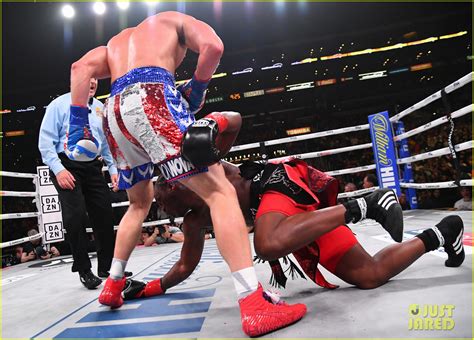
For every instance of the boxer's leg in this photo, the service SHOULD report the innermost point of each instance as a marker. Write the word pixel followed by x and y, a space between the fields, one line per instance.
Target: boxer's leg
pixel 229 224
pixel 359 268
pixel 448 233
pixel 140 197
pixel 285 227
pixel 258 315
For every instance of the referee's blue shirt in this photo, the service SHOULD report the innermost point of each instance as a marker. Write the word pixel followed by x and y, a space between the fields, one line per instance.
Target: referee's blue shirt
pixel 53 130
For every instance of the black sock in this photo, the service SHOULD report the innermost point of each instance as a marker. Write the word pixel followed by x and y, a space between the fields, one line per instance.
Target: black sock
pixel 430 240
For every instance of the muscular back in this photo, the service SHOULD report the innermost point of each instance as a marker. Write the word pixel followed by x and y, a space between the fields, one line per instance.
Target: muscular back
pixel 157 41
pixel 161 40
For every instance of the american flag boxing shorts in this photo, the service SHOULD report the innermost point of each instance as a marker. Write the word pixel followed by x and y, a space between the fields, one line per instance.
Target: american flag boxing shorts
pixel 145 118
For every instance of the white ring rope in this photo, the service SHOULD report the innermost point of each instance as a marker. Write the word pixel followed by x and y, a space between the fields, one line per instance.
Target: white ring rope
pixel 302 137
pixel 161 222
pixel 436 153
pixel 16 174
pixel 435 96
pixel 411 159
pixel 123 204
pixel 456 114
pixel 434 185
pixel 21 240
pixel 13 216
pixel 18 193
pixel 438 185
pixel 356 192
pixel 150 223
pixel 350 170
pixel 120 204
pixel 326 152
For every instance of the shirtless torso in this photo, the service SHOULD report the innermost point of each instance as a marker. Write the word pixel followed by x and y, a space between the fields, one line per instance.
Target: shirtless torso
pixel 167 36
pixel 162 34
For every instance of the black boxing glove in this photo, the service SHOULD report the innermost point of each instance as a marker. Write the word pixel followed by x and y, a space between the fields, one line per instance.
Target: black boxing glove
pixel 133 289
pixel 138 289
pixel 199 144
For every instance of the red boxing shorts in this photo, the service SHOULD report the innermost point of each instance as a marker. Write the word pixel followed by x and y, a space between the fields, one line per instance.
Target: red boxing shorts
pixel 332 245
pixel 145 118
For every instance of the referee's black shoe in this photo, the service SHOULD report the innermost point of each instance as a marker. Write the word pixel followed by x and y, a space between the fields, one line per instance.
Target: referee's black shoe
pixel 89 280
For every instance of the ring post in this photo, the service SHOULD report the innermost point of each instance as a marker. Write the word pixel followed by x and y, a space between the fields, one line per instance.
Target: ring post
pixel 384 151
pixel 404 152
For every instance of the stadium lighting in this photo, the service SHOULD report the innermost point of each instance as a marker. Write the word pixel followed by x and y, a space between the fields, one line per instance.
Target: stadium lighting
pixel 123 5
pixel 68 11
pixel 280 6
pixel 99 8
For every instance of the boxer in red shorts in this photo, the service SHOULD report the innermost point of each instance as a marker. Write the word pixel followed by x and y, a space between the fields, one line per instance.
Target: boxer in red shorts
pixel 293 207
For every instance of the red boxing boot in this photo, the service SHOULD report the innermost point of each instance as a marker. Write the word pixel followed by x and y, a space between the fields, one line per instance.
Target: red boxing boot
pixel 111 295
pixel 263 312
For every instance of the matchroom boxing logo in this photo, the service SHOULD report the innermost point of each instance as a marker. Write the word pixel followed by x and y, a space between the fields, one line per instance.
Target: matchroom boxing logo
pixel 431 317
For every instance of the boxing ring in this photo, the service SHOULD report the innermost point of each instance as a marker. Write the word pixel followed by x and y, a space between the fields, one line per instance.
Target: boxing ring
pixel 42 299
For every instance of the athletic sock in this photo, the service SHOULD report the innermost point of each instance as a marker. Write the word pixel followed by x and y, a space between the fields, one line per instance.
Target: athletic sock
pixel 432 239
pixel 117 268
pixel 245 281
pixel 356 210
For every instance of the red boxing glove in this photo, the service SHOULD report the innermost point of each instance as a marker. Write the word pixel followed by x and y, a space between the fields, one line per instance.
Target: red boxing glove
pixel 138 289
pixel 220 119
pixel 153 288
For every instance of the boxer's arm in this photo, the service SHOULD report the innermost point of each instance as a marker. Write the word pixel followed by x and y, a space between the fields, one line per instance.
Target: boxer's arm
pixel 92 65
pixel 202 39
pixel 208 140
pixel 193 224
pixel 226 138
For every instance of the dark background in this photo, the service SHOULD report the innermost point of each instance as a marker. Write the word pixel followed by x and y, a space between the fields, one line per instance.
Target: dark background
pixel 37 57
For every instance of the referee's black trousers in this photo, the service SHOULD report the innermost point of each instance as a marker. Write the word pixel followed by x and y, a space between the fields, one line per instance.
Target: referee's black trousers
pixel 88 201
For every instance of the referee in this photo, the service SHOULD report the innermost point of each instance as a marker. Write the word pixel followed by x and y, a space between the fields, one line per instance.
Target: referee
pixel 82 189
